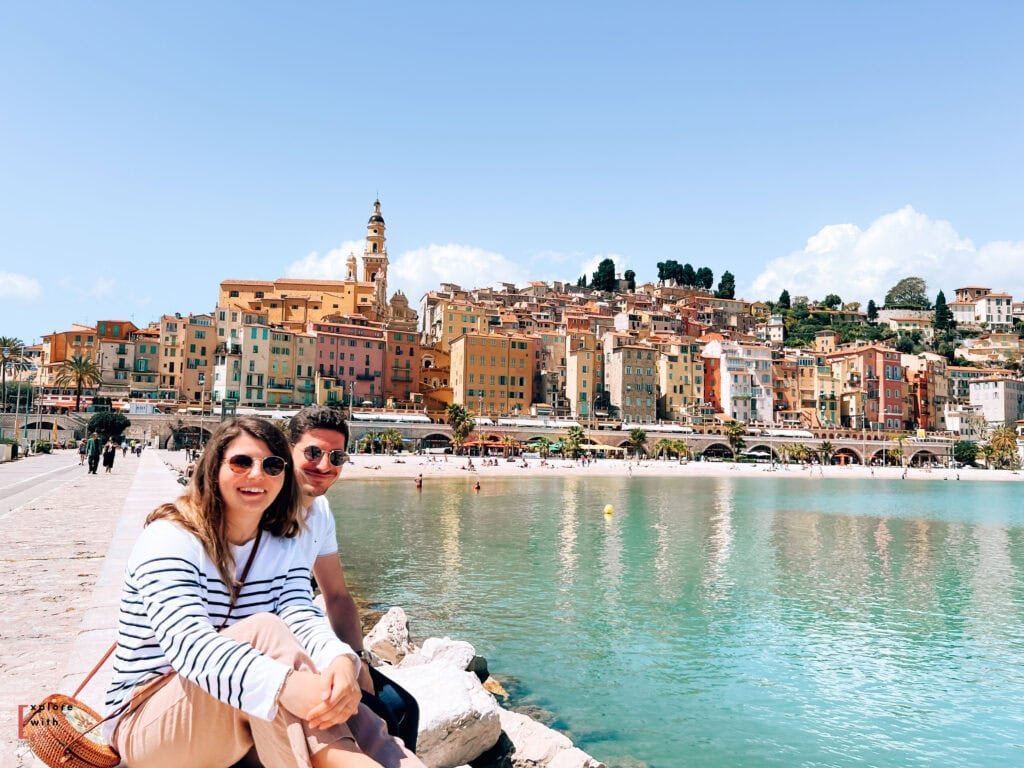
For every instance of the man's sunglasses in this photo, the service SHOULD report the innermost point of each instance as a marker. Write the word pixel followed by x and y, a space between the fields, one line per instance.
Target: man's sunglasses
pixel 315 453
pixel 272 466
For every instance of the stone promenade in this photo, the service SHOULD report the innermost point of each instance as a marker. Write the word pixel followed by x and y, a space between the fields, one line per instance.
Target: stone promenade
pixel 67 535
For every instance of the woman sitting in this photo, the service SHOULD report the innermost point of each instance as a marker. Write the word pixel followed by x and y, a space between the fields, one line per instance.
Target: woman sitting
pixel 220 647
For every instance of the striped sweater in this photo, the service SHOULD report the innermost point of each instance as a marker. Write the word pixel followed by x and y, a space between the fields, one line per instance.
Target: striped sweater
pixel 173 599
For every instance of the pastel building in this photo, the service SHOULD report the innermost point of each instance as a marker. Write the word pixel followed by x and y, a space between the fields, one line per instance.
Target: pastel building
pixel 631 378
pixel 491 374
pixel 744 379
pixel 350 351
pixel 1000 398
pixel 584 375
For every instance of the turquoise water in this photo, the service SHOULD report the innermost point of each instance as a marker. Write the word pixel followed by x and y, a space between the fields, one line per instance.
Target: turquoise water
pixel 722 621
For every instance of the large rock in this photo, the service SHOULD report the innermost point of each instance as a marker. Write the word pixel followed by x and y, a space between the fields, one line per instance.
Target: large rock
pixel 389 638
pixel 459 720
pixel 444 650
pixel 537 745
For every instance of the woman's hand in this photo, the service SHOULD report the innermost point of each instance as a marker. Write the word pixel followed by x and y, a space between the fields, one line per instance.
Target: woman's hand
pixel 341 694
pixel 302 692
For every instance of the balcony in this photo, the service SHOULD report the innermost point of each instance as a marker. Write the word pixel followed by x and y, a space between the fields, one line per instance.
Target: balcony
pixel 402 375
pixel 282 384
pixel 366 376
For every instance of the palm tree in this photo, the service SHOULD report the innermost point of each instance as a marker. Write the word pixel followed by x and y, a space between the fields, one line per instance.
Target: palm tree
pixel 800 452
pixel 573 440
pixel 636 441
pixel 682 449
pixel 15 357
pixel 734 432
pixel 1004 446
pixel 369 442
pixel 663 446
pixel 543 446
pixel 461 423
pixel 81 372
pixel 826 450
pixel 901 441
pixel 391 440
pixel 508 444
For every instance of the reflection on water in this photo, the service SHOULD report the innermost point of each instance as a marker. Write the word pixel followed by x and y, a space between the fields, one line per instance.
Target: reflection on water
pixel 734 622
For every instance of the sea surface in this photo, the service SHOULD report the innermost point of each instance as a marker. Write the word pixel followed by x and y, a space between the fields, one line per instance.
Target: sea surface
pixel 784 621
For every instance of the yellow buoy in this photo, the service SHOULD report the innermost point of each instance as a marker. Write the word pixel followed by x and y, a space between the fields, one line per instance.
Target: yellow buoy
pixel 609 509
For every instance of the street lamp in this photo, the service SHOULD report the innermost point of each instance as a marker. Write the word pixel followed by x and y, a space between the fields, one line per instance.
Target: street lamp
pixel 6 354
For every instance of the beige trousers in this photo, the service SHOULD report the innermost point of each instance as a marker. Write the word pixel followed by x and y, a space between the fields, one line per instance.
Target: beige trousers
pixel 182 725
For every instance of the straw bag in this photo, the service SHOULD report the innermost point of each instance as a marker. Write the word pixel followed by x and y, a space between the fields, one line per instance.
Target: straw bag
pixel 61 730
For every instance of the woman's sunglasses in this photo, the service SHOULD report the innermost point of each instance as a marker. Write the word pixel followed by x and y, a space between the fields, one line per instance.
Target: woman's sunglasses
pixel 337 457
pixel 272 465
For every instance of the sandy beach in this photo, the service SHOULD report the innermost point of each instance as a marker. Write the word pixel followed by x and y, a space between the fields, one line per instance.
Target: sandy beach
pixel 367 466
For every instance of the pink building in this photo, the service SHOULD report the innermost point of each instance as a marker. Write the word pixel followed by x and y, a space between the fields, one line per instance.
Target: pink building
pixel 350 352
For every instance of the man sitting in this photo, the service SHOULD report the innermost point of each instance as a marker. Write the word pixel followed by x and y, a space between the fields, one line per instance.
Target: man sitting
pixel 318 436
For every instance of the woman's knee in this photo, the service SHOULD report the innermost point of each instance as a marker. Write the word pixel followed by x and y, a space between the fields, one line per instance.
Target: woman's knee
pixel 267 633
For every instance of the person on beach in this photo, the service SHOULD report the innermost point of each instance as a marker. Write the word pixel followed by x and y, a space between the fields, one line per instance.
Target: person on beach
pixel 109 453
pixel 81 452
pixel 220 648
pixel 318 436
pixel 419 483
pixel 93 449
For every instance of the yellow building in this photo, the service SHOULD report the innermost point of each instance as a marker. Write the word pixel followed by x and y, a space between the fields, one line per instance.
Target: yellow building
pixel 453 318
pixel 295 302
pixel 680 375
pixel 492 375
pixel 584 375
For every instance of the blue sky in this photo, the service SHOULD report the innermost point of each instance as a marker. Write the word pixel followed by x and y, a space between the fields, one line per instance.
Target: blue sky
pixel 149 150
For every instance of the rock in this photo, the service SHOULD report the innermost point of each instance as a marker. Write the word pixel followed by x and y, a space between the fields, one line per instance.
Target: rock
pixel 389 639
pixel 444 650
pixel 459 720
pixel 574 758
pixel 537 745
pixel 478 665
pixel 495 687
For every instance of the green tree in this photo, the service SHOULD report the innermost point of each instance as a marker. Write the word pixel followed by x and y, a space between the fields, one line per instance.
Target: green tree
pixel 682 449
pixel 630 277
pixel 826 451
pixel 582 282
pixel 668 270
pixel 663 447
pixel 572 441
pixel 943 314
pixel 784 301
pixel 965 451
pixel 604 277
pixel 726 286
pixel 636 440
pixel 78 371
pixel 734 432
pixel 908 293
pixel 687 276
pixel 705 278
pixel 391 440
pixel 1004 446
pixel 801 453
pixel 15 359
pixel 872 311
pixel 461 423
pixel 108 424
pixel 832 301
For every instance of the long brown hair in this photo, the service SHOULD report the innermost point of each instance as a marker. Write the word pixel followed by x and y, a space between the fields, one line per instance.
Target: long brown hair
pixel 201 509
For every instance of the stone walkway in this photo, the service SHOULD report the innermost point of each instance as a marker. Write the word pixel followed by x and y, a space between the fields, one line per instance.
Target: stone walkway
pixel 67 536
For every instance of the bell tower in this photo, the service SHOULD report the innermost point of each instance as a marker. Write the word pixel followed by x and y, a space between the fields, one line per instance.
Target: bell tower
pixel 375 257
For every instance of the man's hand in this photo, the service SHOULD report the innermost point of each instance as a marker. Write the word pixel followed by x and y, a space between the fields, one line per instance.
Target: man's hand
pixel 341 694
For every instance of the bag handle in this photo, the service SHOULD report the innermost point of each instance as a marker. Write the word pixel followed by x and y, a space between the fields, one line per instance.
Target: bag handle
pixel 139 699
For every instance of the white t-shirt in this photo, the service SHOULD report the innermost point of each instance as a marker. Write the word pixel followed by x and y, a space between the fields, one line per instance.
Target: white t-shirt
pixel 321 530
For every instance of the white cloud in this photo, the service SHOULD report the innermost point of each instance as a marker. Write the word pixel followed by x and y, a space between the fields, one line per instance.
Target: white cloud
pixel 330 266
pixel 861 264
pixel 18 286
pixel 424 269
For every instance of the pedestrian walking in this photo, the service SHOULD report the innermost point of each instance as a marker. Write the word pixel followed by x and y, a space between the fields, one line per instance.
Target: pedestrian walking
pixel 109 453
pixel 93 449
pixel 81 452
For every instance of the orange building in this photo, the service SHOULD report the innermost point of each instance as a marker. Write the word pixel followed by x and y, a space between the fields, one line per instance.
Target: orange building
pixel 492 375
